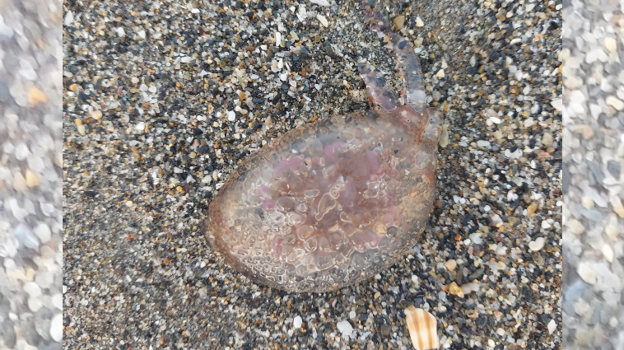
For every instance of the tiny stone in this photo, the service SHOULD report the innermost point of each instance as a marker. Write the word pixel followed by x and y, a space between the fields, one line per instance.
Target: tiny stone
pixel 586 273
pixel 57 301
pixel 575 226
pixel 44 279
pixel 444 136
pixel 469 288
pixel 612 231
pixel 454 289
pixel 19 183
pixel 399 21
pixel 483 144
pixel 345 327
pixel 297 321
pixel 552 326
pixel 34 304
pixel 140 127
pixel 36 96
pixel 21 151
pixel 610 44
pixel 419 22
pixel 451 265
pixel 547 139
pixel 532 208
pixel 26 237
pixel 618 208
pixel 440 74
pixel 43 232
pixel 537 244
pixel 615 103
pixel 607 251
pixel 32 289
pixel 32 180
pixel 97 114
pixel 615 168
pixel 323 20
pixel 56 328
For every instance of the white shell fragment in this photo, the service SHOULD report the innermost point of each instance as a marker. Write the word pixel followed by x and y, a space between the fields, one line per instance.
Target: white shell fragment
pixel 422 327
pixel 323 20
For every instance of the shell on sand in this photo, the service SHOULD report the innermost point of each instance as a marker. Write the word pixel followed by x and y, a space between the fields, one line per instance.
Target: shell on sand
pixel 422 327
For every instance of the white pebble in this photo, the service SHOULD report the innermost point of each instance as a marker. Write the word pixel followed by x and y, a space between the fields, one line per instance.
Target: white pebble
pixel 319 2
pixel 34 304
pixel 69 18
pixel 297 322
pixel 610 44
pixel 56 328
pixel 483 144
pixel 44 279
pixel 419 22
pixel 57 301
pixel 440 74
pixel 278 39
pixel 469 288
pixel 537 244
pixel 585 271
pixel 345 327
pixel 615 103
pixel 21 151
pixel 607 251
pixel 552 326
pixel 476 238
pixel 43 232
pixel 231 116
pixel 32 289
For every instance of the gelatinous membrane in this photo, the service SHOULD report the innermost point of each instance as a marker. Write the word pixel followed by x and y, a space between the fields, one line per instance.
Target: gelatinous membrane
pixel 348 208
pixel 332 203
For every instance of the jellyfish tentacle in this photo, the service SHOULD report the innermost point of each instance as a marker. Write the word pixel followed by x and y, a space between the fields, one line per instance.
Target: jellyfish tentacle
pixel 408 63
pixel 378 92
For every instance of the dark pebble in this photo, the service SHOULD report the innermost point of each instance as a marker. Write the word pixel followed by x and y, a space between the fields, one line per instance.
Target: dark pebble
pixel 8 333
pixel 405 303
pixel 613 68
pixel 596 171
pixel 476 275
pixel 386 329
pixel 4 91
pixel 566 178
pixel 614 168
pixel 83 97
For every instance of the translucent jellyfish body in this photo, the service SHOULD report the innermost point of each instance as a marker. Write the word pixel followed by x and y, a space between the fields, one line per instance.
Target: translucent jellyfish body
pixel 334 202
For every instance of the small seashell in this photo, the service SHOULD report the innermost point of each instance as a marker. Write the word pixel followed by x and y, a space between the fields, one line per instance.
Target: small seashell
pixel 422 328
